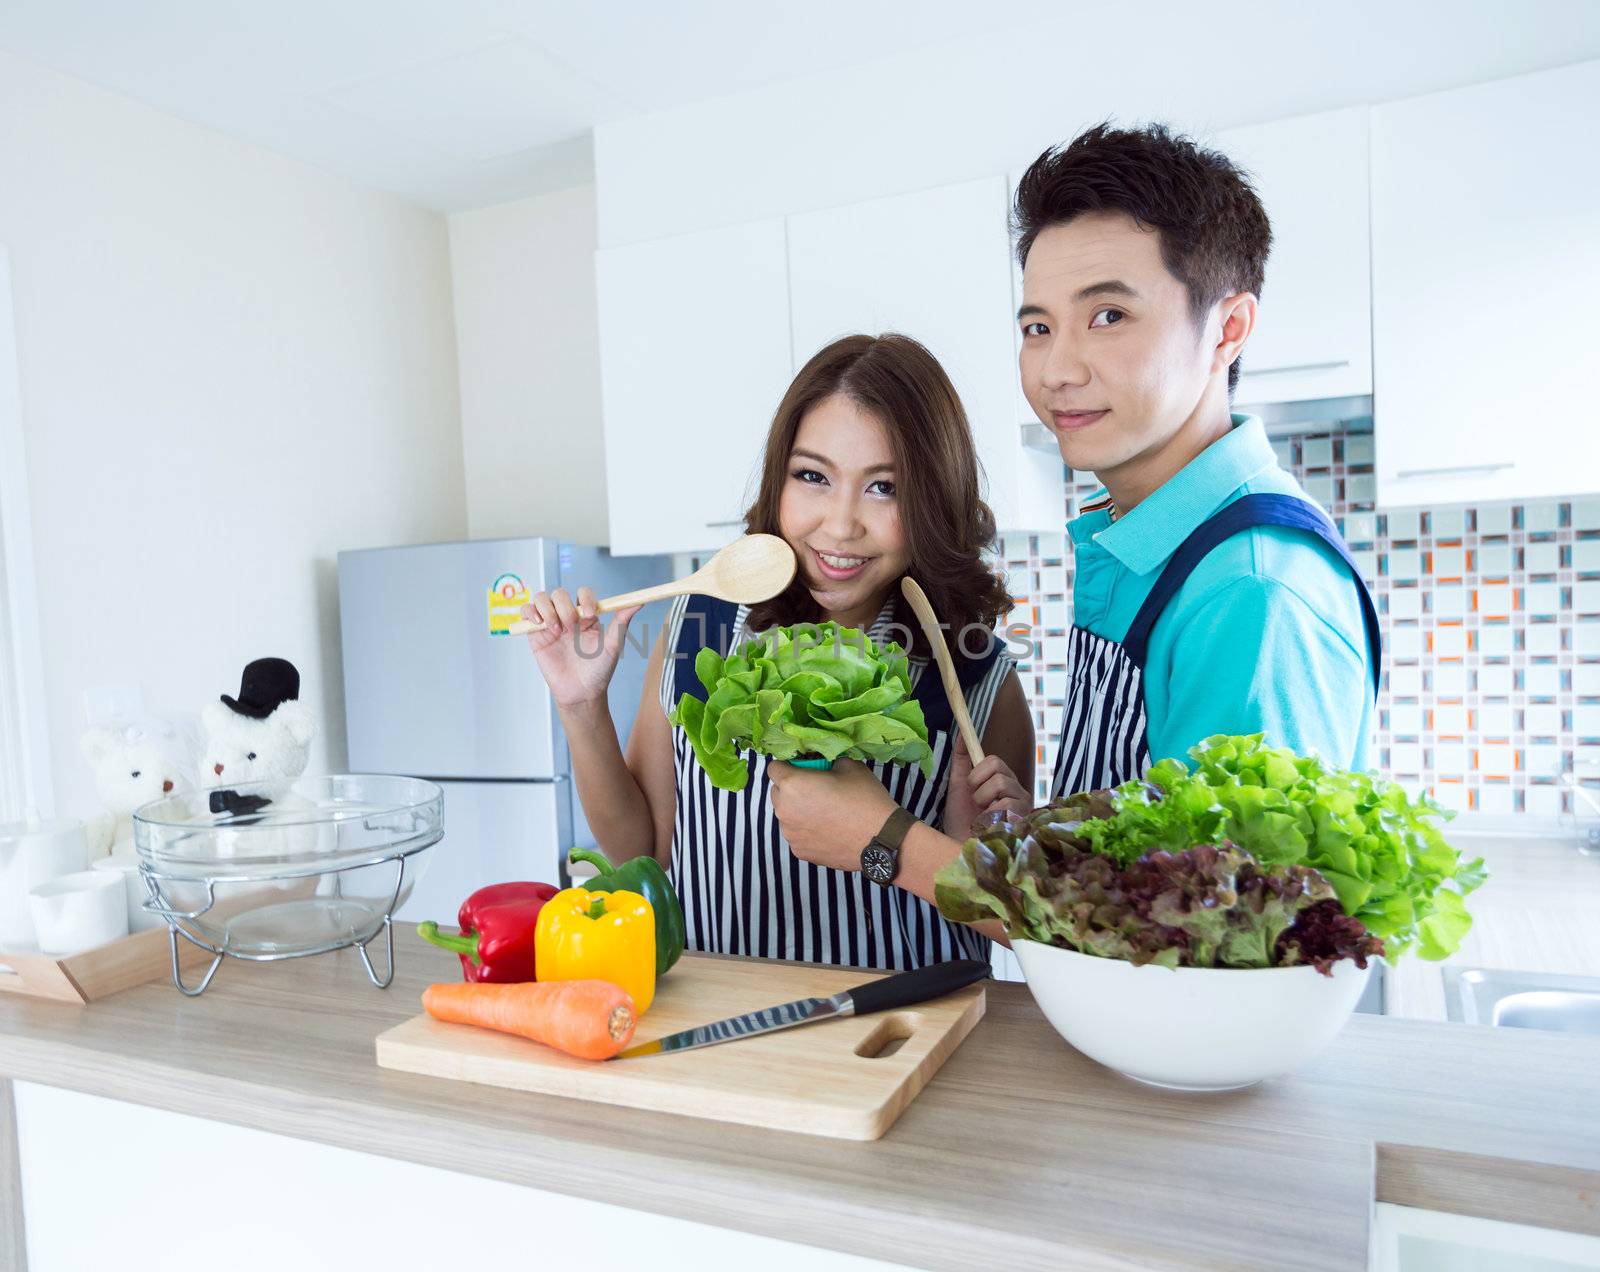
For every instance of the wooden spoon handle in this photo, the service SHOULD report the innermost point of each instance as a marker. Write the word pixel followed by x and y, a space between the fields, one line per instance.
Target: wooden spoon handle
pixel 751 569
pixel 947 668
pixel 640 596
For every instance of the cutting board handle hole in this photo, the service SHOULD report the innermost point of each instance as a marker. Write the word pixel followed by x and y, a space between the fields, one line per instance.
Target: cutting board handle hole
pixel 891 1034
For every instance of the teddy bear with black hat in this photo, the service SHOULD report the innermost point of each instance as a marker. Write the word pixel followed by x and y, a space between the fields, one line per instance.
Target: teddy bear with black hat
pixel 262 735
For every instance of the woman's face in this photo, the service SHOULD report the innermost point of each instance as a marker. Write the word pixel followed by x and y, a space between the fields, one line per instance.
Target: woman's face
pixel 839 511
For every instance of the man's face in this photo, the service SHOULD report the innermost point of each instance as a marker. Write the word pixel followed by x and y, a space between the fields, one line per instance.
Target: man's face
pixel 1112 358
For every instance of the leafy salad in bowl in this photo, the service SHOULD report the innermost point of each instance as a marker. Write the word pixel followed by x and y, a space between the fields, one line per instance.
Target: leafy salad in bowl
pixel 1254 857
pixel 1250 859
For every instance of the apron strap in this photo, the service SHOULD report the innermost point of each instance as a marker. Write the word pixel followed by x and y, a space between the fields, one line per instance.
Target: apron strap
pixel 706 622
pixel 1244 514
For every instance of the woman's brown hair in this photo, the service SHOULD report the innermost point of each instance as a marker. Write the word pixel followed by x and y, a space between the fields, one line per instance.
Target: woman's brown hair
pixel 947 525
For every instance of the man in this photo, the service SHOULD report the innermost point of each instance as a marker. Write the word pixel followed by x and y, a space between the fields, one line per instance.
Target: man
pixel 1211 596
pixel 1143 257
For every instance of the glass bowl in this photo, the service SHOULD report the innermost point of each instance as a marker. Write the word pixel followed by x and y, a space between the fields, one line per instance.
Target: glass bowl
pixel 259 871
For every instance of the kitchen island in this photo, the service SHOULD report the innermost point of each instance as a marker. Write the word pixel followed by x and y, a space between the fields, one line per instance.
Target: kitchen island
pixel 1020 1153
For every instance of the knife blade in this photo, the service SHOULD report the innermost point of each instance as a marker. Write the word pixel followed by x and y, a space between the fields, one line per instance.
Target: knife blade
pixel 900 990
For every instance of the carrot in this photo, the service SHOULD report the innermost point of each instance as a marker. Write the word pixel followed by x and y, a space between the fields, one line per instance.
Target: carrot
pixel 590 1019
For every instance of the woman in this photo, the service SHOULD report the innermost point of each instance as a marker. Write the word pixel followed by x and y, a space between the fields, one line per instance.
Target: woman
pixel 869 475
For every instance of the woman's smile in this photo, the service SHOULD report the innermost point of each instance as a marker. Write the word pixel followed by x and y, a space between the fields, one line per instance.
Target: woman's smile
pixel 838 567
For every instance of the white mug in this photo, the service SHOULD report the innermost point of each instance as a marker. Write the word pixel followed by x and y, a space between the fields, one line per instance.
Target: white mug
pixel 80 911
pixel 32 853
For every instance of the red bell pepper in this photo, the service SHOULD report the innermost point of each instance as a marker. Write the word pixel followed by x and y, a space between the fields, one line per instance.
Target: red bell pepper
pixel 497 923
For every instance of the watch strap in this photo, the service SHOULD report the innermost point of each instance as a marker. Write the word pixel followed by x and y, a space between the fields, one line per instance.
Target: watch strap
pixel 895 829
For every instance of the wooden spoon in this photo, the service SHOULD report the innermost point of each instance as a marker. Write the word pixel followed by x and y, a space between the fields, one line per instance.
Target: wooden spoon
pixel 749 570
pixel 947 668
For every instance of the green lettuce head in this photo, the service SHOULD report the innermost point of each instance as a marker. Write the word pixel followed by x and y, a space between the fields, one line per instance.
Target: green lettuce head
pixel 810 689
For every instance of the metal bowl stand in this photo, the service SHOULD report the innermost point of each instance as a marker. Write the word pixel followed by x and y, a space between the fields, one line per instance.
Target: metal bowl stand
pixel 175 919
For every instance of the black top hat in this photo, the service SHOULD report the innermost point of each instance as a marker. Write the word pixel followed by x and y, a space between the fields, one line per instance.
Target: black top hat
pixel 266 683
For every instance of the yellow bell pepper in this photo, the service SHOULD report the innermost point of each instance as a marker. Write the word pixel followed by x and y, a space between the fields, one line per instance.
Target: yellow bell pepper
pixel 607 936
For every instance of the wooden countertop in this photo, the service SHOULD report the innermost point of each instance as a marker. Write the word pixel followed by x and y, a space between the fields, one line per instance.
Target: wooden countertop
pixel 1021 1153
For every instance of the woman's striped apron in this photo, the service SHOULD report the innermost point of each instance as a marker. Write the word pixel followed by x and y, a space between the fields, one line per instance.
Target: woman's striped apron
pixel 743 890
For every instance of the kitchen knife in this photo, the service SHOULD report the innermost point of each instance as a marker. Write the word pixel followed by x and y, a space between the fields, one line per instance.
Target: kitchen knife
pixel 901 990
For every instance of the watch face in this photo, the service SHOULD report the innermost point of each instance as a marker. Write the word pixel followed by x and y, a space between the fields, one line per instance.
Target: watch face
pixel 878 863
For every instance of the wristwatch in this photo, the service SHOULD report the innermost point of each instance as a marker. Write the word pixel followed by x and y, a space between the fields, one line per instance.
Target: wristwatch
pixel 880 859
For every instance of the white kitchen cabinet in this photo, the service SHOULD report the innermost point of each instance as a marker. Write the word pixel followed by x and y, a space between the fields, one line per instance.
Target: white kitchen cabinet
pixel 932 265
pixel 273 1202
pixel 1313 337
pixel 1486 266
pixel 694 358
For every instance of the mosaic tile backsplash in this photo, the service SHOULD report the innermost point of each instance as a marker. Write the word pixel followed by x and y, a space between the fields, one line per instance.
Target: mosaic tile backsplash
pixel 1491 630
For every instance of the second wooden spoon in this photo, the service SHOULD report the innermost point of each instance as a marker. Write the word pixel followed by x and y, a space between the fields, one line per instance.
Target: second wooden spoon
pixel 947 668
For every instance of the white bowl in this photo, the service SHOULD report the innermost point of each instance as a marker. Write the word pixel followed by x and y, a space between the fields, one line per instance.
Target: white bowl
pixel 79 911
pixel 1190 1028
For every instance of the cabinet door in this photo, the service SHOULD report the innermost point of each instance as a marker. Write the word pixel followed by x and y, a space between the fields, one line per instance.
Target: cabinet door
pixel 931 265
pixel 694 358
pixel 1486 269
pixel 1313 337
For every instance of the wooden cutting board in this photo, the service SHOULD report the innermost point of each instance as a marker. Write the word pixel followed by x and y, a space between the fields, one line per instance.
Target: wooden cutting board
pixel 849 1079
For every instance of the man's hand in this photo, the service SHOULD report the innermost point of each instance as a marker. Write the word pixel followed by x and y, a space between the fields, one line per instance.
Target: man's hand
pixel 828 817
pixel 975 791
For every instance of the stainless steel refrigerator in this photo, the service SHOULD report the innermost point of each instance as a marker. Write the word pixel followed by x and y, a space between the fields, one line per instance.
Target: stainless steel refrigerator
pixel 430 692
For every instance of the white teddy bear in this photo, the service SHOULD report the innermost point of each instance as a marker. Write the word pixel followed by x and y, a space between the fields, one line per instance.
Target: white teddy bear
pixel 240 749
pixel 260 741
pixel 263 735
pixel 133 765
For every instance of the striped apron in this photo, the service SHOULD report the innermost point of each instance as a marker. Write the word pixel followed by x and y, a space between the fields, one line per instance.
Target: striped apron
pixel 1103 737
pixel 743 891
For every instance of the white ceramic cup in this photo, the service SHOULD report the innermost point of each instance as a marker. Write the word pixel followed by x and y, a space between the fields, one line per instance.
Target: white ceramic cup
pixel 79 911
pixel 32 853
pixel 126 864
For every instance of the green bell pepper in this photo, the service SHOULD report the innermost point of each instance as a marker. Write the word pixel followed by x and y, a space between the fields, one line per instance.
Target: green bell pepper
pixel 645 876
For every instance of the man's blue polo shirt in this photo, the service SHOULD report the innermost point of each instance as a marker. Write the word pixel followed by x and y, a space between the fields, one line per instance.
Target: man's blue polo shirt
pixel 1266 636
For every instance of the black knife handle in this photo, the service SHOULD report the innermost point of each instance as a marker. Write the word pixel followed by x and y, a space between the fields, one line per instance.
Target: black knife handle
pixel 933 981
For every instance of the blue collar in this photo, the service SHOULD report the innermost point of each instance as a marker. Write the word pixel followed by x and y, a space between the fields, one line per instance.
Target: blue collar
pixel 1145 537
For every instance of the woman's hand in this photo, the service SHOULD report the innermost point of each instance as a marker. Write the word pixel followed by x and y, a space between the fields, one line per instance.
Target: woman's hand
pixel 828 817
pixel 975 791
pixel 577 655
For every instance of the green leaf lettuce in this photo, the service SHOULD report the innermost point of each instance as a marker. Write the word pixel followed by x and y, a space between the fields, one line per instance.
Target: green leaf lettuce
pixel 810 689
pixel 1208 905
pixel 1383 852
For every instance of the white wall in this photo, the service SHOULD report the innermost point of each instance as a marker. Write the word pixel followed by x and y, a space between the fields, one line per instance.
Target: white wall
pixel 986 105
pixel 529 348
pixel 232 365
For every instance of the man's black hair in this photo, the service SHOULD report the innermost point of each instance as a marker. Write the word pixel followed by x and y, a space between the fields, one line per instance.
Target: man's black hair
pixel 1215 235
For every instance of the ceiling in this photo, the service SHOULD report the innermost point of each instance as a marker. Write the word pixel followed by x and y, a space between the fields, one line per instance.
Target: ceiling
pixel 460 104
